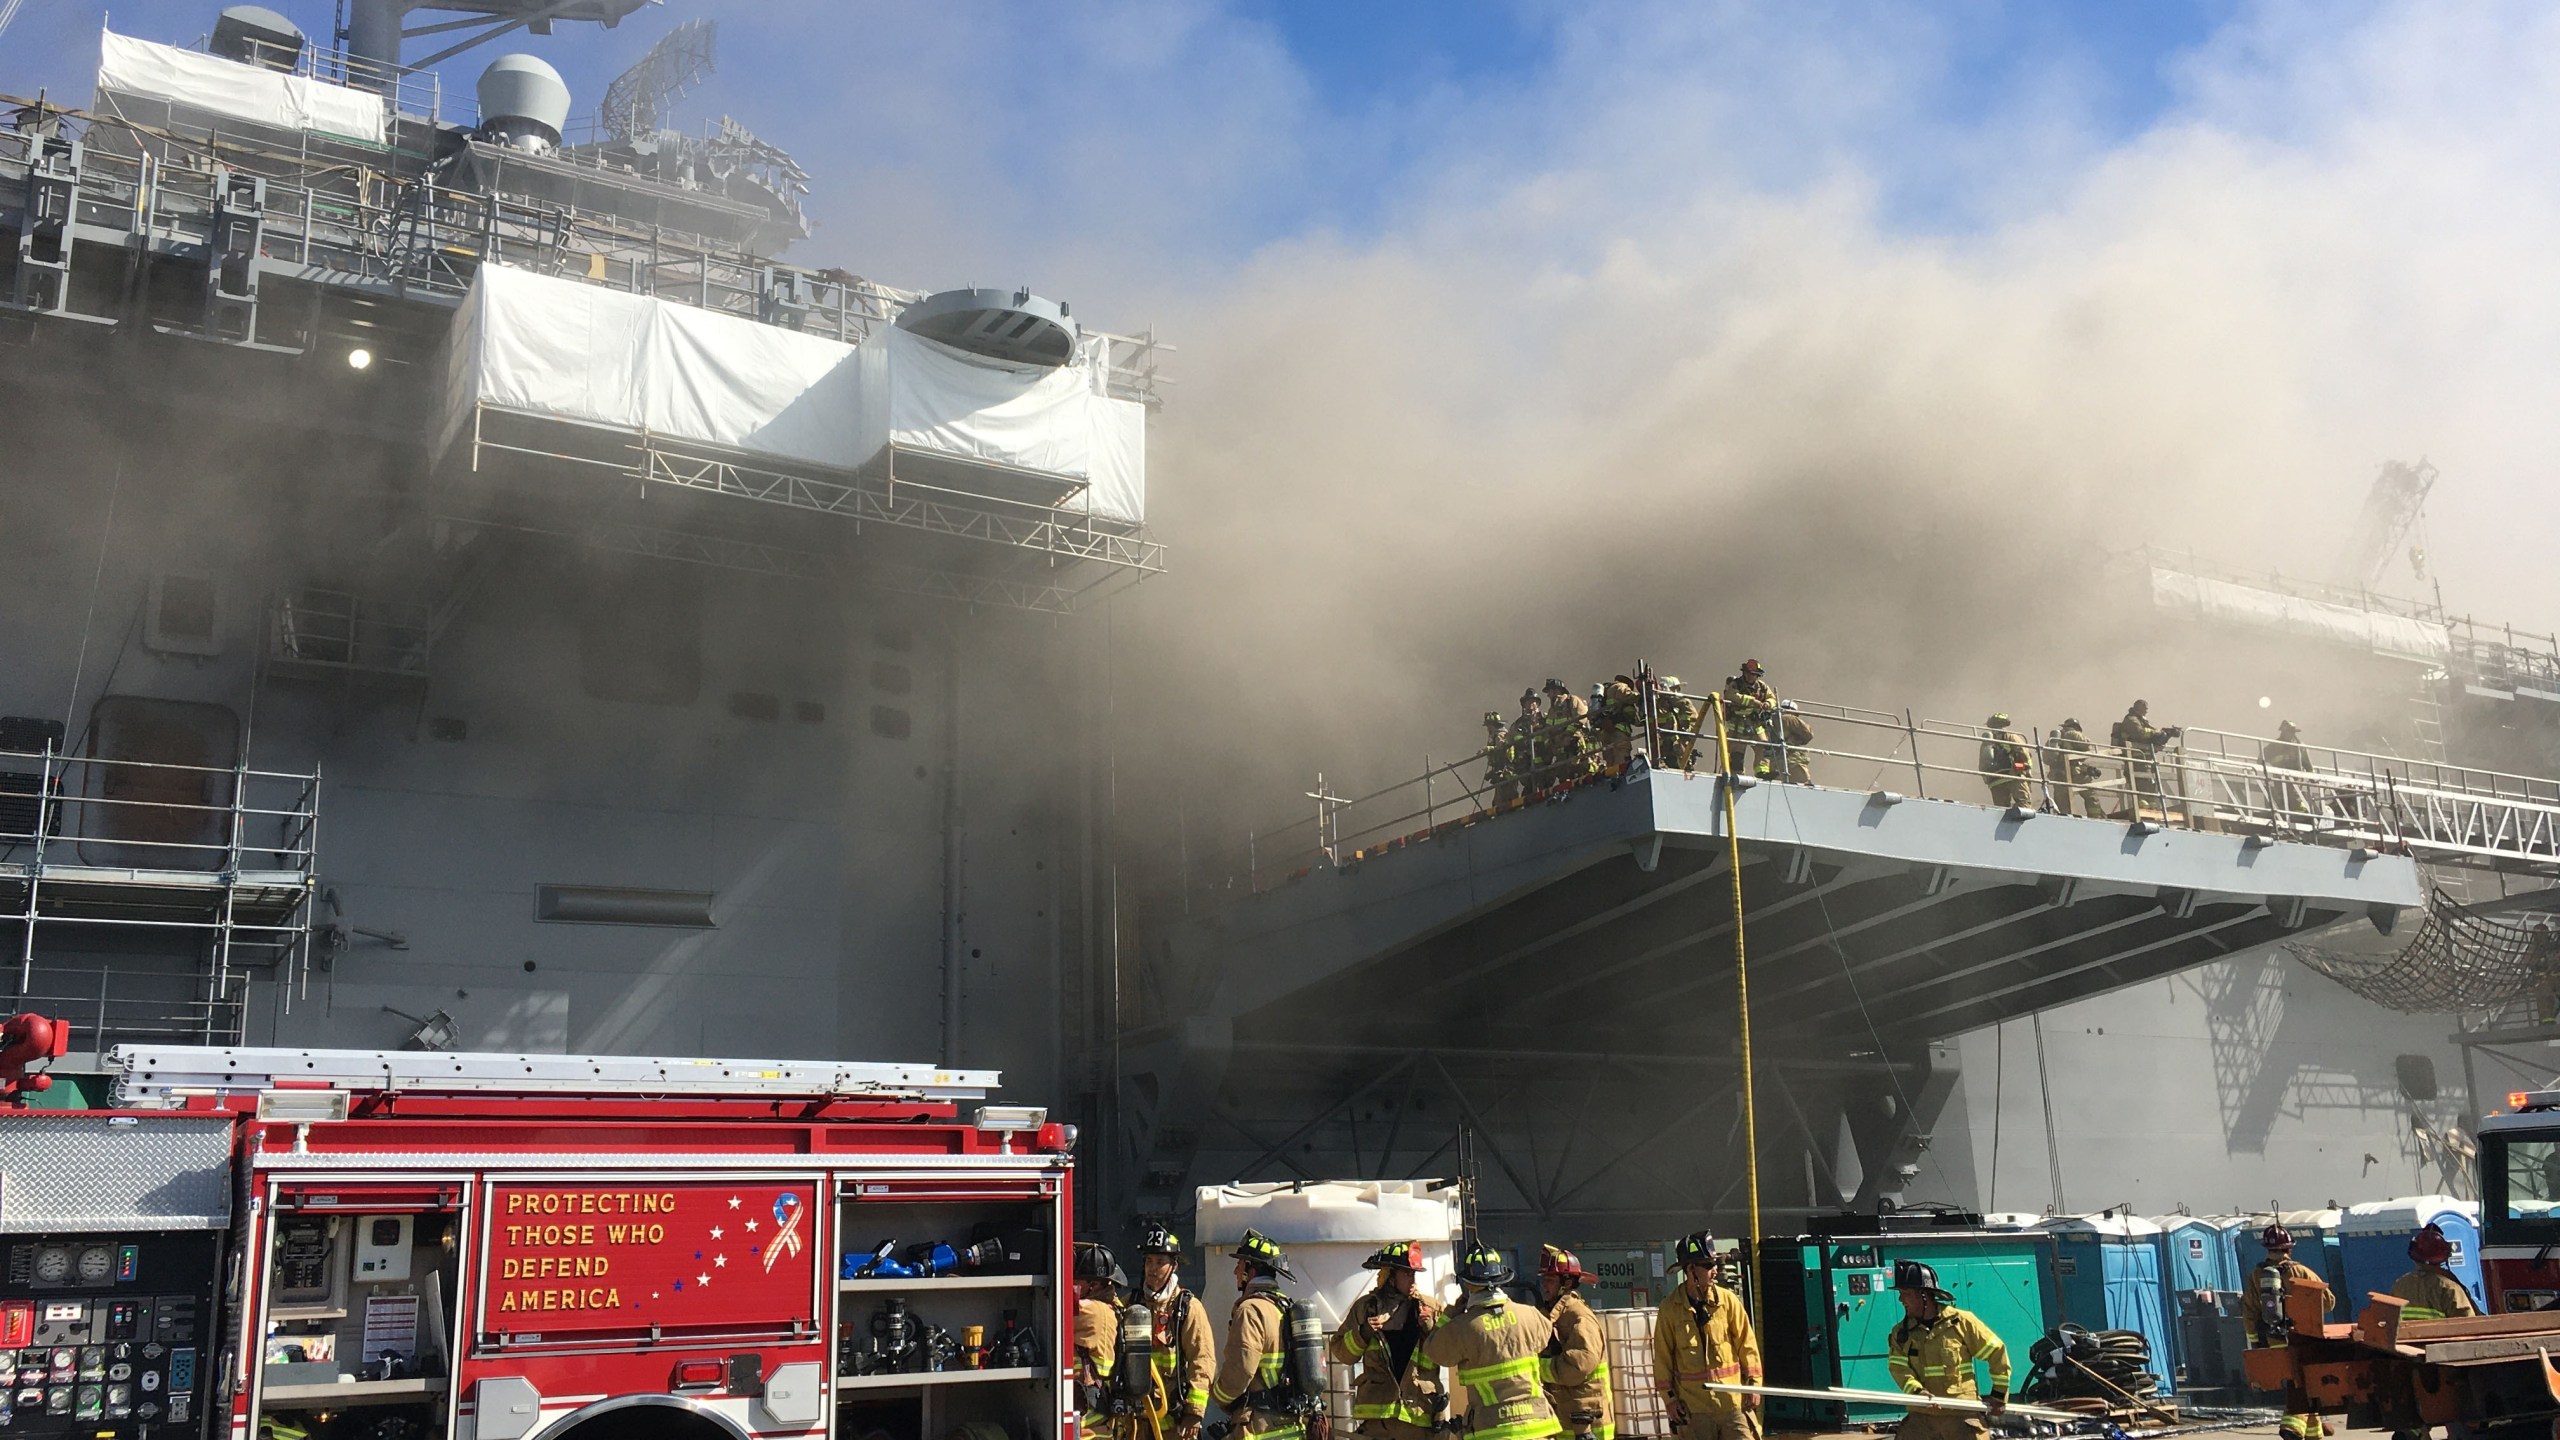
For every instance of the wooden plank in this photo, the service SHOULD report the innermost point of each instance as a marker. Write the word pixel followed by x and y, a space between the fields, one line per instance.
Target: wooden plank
pixel 2492 1347
pixel 2471 1327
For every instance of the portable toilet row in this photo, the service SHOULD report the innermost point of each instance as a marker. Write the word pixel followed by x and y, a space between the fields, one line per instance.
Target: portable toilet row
pixel 2373 1244
pixel 2107 1271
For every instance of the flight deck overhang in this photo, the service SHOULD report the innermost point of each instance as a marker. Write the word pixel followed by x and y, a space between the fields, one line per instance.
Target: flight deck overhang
pixel 1866 913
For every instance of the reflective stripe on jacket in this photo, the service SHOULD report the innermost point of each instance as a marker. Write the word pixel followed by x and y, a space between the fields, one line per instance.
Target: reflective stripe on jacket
pixel 1701 1342
pixel 1938 1358
pixel 1380 1392
pixel 2433 1294
pixel 1186 1356
pixel 1252 1360
pixel 1577 1367
pixel 1491 1349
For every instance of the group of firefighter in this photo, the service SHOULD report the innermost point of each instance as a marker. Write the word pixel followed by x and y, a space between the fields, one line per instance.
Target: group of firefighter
pixel 2430 1288
pixel 1560 739
pixel 1526 1372
pixel 1517 1371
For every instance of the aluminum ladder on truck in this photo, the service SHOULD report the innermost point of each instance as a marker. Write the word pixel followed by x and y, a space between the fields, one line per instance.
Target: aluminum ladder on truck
pixel 162 1076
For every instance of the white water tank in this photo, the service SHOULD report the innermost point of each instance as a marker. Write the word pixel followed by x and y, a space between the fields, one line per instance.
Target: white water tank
pixel 524 104
pixel 1328 1227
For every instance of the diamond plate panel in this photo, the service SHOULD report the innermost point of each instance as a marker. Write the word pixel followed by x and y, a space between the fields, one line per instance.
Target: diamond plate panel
pixel 114 1172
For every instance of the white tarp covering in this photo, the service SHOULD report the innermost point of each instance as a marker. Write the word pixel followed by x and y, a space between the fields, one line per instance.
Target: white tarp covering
pixel 243 92
pixel 2223 600
pixel 544 346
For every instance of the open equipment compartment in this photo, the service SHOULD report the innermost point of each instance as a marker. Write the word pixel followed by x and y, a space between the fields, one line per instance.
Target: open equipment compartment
pixel 977 1347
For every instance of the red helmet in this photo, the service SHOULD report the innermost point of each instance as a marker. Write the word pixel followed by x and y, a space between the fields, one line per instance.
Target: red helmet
pixel 2275 1237
pixel 1750 667
pixel 1562 1264
pixel 2429 1247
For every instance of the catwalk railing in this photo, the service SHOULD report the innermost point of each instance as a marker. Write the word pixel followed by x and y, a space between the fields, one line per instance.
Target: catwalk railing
pixel 2199 779
pixel 349 220
pixel 207 869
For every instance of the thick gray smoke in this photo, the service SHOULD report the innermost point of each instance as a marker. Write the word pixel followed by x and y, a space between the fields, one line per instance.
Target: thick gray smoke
pixel 1636 396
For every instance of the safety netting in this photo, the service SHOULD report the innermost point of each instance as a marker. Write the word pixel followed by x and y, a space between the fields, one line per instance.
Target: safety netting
pixel 2456 962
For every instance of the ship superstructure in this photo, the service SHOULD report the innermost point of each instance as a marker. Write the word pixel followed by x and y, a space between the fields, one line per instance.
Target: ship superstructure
pixel 464 590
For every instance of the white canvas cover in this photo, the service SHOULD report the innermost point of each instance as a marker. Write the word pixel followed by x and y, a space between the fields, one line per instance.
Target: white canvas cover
pixel 538 345
pixel 243 92
pixel 2224 600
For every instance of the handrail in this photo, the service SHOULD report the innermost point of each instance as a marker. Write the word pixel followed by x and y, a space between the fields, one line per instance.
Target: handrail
pixel 2221 780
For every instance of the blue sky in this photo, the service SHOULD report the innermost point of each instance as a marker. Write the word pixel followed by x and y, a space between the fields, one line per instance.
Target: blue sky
pixel 1365 103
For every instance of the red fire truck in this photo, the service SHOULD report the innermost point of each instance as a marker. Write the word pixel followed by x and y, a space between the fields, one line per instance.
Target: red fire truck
pixel 412 1245
pixel 2520 1203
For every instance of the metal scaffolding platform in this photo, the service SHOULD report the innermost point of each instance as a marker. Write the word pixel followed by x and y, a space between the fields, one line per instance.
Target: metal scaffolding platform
pixel 146 896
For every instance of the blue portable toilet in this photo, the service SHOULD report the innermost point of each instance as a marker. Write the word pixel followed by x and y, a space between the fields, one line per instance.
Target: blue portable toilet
pixel 2196 1254
pixel 2107 1270
pixel 2315 1243
pixel 2373 1241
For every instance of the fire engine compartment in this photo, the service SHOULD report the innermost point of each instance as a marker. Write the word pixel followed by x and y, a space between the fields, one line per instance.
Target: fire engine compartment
pixel 569 1261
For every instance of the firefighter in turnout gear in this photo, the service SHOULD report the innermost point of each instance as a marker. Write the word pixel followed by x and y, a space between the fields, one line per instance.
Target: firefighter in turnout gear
pixel 1564 738
pixel 1490 1347
pixel 1616 720
pixel 2141 741
pixel 1750 713
pixel 2263 1316
pixel 1098 1286
pixel 2433 1291
pixel 1702 1336
pixel 1397 1395
pixel 1576 1362
pixel 2069 771
pixel 1186 1357
pixel 1501 781
pixel 1675 724
pixel 1933 1352
pixel 1252 1380
pixel 1799 737
pixel 2007 766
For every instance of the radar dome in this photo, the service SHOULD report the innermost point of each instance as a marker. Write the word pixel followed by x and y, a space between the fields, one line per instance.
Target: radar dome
pixel 523 103
pixel 1010 325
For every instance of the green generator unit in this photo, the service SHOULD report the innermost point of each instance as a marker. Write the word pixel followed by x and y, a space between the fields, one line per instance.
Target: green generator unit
pixel 1830 1304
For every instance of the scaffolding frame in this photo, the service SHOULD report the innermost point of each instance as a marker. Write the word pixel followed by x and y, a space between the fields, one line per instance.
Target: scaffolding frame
pixel 65 860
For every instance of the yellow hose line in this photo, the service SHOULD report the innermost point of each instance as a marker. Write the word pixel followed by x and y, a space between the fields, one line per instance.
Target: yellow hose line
pixel 1742 981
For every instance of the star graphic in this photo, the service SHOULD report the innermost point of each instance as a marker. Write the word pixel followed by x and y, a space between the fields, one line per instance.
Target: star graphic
pixel 702 1279
pixel 719 1260
pixel 751 1227
pixel 653 1294
pixel 715 1232
pixel 733 1202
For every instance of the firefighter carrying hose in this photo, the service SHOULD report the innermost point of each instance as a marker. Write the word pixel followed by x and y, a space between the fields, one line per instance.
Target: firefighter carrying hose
pixel 1185 1355
pixel 1255 1381
pixel 1491 1346
pixel 1398 1395
pixel 2264 1318
pixel 2433 1291
pixel 1702 1336
pixel 1576 1362
pixel 1933 1352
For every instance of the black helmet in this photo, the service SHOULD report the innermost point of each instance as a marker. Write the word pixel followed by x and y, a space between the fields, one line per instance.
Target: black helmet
pixel 1261 1252
pixel 1484 1267
pixel 1919 1275
pixel 1157 1240
pixel 1094 1262
pixel 1698 1247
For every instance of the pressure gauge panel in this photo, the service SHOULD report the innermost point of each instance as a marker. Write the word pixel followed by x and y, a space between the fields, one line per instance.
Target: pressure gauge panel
pixel 53 1264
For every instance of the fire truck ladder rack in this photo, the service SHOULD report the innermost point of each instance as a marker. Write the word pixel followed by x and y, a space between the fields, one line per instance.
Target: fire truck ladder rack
pixel 153 1076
